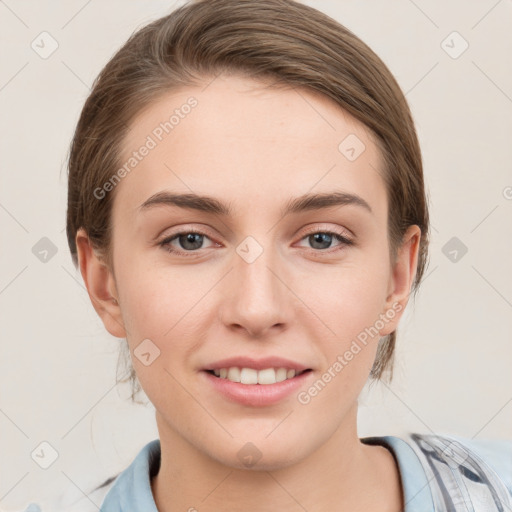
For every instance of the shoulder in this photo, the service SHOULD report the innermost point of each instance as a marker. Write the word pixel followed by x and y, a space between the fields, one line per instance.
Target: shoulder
pixel 90 500
pixel 455 451
pixel 128 490
pixel 446 472
pixel 463 470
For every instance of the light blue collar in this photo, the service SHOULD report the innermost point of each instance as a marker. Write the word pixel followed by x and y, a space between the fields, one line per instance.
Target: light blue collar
pixel 132 489
pixel 416 490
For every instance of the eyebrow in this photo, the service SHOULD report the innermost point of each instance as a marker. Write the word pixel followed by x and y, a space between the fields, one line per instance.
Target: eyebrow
pixel 211 205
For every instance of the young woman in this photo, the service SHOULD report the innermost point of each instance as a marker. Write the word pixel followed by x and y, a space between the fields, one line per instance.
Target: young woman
pixel 247 208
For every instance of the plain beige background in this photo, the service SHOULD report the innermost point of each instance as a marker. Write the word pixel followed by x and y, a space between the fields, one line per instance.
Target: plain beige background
pixel 58 364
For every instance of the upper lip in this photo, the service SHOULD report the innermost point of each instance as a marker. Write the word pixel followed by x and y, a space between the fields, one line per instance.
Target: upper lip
pixel 257 364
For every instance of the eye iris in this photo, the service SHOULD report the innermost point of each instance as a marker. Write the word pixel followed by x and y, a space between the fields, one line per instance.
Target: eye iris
pixel 320 237
pixel 193 238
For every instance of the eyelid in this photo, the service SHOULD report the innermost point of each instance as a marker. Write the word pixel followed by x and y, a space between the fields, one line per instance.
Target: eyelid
pixel 344 232
pixel 183 231
pixel 338 234
pixel 184 228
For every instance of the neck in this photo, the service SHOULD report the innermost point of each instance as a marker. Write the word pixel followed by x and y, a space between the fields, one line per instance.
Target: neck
pixel 342 474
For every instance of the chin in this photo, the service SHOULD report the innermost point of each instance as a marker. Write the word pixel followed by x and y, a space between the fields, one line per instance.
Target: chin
pixel 273 462
pixel 260 454
pixel 274 465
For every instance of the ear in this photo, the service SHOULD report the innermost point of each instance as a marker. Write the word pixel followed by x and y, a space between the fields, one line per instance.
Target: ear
pixel 401 279
pixel 101 287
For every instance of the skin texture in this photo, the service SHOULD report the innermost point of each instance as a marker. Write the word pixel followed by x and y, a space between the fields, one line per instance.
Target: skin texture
pixel 254 149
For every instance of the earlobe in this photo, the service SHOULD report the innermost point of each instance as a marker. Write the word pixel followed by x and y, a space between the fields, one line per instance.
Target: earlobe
pixel 402 278
pixel 101 286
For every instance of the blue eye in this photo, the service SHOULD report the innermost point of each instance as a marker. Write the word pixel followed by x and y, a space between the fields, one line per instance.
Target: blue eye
pixel 191 241
pixel 326 237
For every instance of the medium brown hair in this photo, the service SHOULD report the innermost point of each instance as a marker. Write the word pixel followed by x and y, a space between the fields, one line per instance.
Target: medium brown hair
pixel 284 41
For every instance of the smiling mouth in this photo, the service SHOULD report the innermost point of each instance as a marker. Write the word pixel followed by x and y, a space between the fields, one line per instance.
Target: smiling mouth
pixel 252 376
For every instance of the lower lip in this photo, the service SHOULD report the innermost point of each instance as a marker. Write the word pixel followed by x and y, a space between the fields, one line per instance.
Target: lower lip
pixel 257 395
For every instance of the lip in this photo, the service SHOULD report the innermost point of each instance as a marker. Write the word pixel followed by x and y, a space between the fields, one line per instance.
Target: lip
pixel 256 395
pixel 257 364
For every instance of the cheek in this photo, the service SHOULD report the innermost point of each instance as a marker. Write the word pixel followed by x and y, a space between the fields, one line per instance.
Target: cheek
pixel 346 296
pixel 350 307
pixel 352 297
pixel 168 306
pixel 156 312
pixel 155 297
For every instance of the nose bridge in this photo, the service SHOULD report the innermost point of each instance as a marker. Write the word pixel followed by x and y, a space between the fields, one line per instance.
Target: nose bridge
pixel 257 300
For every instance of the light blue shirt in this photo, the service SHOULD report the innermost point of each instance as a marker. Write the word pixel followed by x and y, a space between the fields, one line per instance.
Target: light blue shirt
pixel 438 473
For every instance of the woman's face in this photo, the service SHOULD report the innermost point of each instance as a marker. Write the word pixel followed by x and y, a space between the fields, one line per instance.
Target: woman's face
pixel 251 280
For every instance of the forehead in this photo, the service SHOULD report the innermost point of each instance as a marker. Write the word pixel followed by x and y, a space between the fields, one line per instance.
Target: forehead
pixel 234 138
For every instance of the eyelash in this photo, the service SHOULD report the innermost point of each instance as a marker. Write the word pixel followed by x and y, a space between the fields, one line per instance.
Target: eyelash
pixel 165 244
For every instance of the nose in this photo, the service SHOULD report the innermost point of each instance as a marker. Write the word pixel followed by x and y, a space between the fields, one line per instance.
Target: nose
pixel 256 298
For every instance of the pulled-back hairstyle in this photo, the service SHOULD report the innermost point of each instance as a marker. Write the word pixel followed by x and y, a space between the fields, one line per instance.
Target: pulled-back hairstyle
pixel 283 42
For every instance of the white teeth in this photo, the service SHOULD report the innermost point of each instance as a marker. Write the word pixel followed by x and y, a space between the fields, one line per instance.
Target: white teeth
pixel 252 376
pixel 248 376
pixel 234 374
pixel 280 374
pixel 267 376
